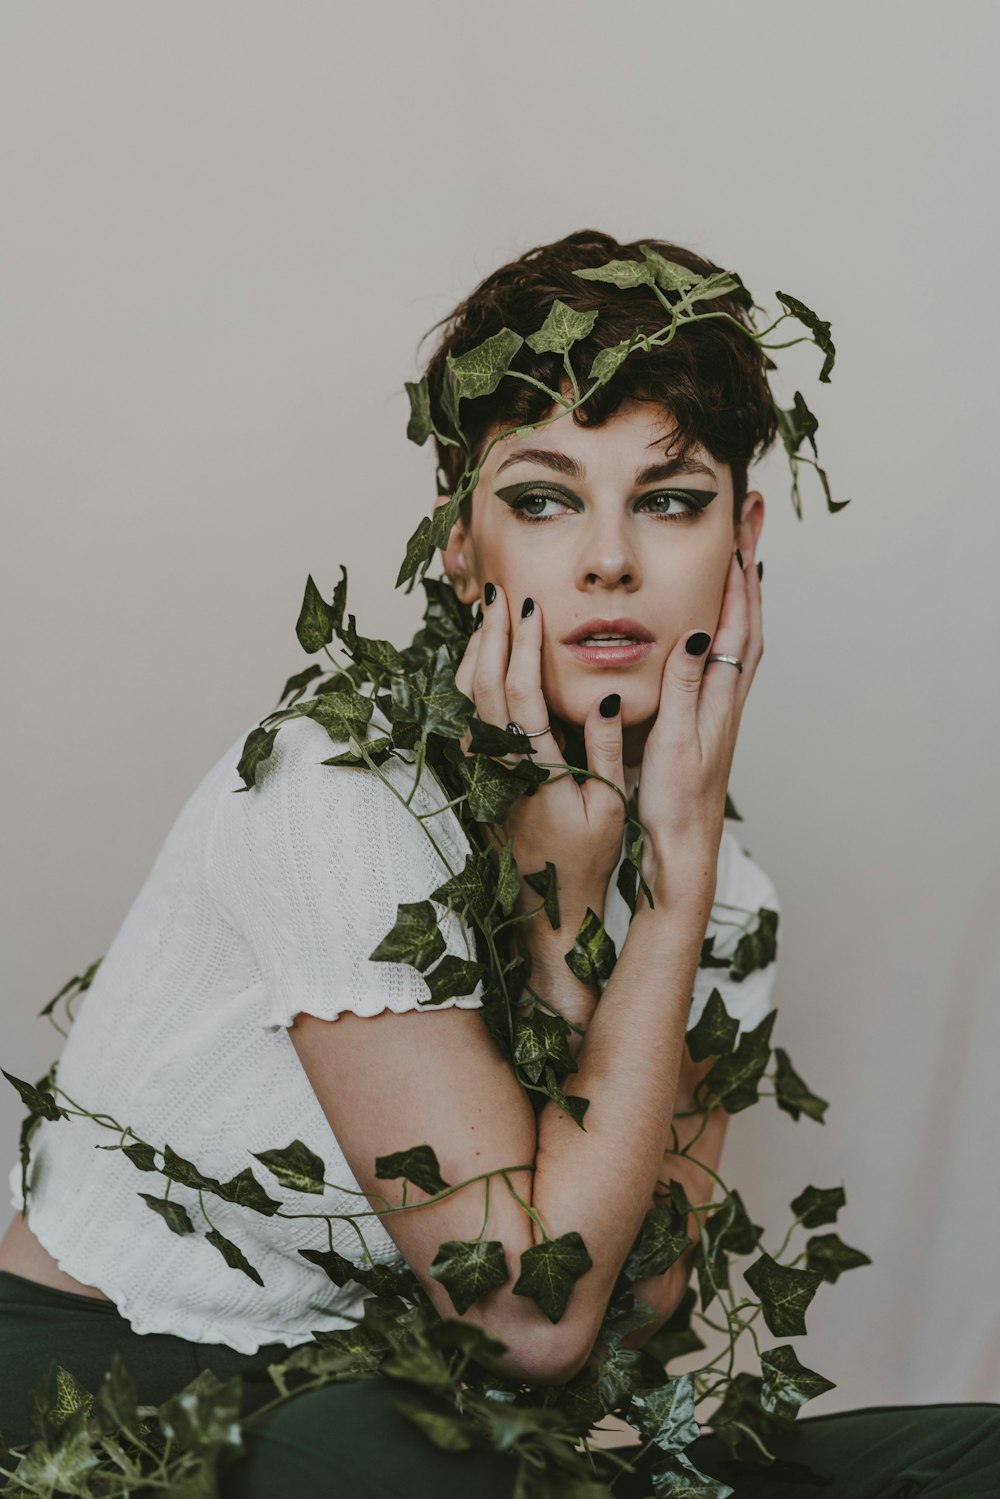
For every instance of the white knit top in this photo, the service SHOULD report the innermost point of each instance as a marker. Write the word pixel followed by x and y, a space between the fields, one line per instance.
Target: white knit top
pixel 259 906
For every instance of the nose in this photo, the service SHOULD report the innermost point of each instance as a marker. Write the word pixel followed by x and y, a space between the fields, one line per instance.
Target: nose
pixel 608 557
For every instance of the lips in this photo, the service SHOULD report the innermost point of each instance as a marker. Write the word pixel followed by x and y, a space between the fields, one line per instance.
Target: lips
pixel 628 628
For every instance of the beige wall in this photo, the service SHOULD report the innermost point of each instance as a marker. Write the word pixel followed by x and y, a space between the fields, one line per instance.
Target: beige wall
pixel 225 228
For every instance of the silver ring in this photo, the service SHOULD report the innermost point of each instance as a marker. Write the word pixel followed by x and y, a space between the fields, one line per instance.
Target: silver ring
pixel 733 660
pixel 515 728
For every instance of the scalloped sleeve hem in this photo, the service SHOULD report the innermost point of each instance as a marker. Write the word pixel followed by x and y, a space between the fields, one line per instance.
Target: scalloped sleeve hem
pixel 310 866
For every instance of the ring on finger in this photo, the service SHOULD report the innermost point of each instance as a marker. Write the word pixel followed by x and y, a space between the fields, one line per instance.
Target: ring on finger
pixel 515 728
pixel 732 660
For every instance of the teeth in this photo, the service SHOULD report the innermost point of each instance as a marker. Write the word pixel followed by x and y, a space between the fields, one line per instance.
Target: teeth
pixel 607 639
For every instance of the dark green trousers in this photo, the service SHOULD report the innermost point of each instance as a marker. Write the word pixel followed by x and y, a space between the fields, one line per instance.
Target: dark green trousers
pixel 348 1441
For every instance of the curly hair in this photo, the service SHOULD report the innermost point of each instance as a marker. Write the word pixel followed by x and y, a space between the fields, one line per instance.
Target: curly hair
pixel 711 378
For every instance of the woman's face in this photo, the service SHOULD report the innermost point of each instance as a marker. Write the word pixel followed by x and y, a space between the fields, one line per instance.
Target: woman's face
pixel 602 525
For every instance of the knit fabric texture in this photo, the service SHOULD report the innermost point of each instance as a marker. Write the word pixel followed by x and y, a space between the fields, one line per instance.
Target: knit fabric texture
pixel 260 906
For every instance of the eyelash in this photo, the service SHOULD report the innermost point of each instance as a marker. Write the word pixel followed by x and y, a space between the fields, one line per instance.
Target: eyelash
pixel 521 513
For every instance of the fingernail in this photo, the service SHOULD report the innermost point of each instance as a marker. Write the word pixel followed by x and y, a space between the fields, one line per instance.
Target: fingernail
pixel 760 569
pixel 739 556
pixel 698 643
pixel 489 594
pixel 479 622
pixel 610 704
pixel 527 607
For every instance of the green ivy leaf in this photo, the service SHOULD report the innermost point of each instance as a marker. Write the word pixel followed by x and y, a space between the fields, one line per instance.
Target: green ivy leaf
pixel 341 714
pixel 758 948
pixel 625 1313
pixel 734 1079
pixel 70 1398
pixel 247 1191
pixel 661 1240
pixel 382 1279
pixel 295 1166
pixel 542 1040
pixel 562 328
pixel 471 890
pixel 315 624
pixel 796 425
pixel 787 1383
pixel 669 276
pixel 829 1256
pixel 420 426
pixel 257 748
pixel 443 1428
pixel 708 958
pixel 508 879
pixel 550 1270
pixel 818 1205
pixel 621 273
pixel 143 1157
pixel 233 1255
pixel 676 1477
pixel 117 1398
pixel 730 809
pixel 41 1103
pixel 418 1165
pixel 490 739
pixel 415 938
pixel 59 1463
pixel 420 1365
pixel 665 1415
pixel 819 329
pixel 731 1227
pixel 468 1269
pixel 177 1169
pixel 172 1213
pixel 608 361
pixel 716 1031
pixel 493 789
pixel 297 684
pixel 205 1416
pixel 708 288
pixel 592 956
pixel 740 1412
pixel 791 1092
pixel 431 701
pixel 81 982
pixel 543 882
pixel 378 750
pixel 621 1373
pixel 572 1104
pixel 452 976
pixel 784 1294
pixel 419 551
pixel 479 371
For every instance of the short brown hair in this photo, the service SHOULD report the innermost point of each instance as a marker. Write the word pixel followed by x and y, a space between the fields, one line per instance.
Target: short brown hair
pixel 711 377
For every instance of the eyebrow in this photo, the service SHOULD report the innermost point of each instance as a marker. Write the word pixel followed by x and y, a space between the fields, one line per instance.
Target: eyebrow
pixel 651 474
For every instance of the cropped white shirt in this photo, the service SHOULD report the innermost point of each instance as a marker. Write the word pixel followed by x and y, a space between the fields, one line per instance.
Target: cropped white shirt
pixel 259 906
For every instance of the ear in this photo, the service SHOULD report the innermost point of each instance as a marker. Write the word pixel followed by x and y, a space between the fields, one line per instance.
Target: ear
pixel 459 559
pixel 748 529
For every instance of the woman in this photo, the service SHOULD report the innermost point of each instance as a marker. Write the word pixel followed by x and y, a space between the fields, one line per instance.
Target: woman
pixel 252 995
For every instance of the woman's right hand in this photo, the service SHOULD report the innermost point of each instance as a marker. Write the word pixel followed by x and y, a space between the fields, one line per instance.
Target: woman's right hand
pixel 689 752
pixel 576 827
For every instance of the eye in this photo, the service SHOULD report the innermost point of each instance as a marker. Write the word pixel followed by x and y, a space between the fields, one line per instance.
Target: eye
pixel 675 496
pixel 529 506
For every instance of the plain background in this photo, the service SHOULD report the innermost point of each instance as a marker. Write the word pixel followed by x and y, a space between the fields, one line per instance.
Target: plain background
pixel 226 227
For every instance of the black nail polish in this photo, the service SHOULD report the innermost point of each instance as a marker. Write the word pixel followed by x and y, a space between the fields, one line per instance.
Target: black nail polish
pixel 698 644
pixel 527 608
pixel 479 622
pixel 610 704
pixel 739 556
pixel 760 569
pixel 489 593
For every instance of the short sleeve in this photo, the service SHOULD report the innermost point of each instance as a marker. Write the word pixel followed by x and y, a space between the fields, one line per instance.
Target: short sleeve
pixel 742 891
pixel 311 864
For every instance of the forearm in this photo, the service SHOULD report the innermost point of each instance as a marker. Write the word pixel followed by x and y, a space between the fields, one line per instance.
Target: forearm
pixel 600 1180
pixel 555 982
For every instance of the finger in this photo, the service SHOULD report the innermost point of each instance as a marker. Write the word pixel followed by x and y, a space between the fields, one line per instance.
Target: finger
pixel 602 734
pixel 681 686
pixel 723 682
pixel 465 672
pixel 525 699
pixel 490 671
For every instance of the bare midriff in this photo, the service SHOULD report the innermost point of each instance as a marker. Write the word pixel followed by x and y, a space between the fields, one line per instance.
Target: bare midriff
pixel 22 1254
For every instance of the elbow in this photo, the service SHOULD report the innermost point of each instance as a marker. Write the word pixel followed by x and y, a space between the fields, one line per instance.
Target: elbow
pixel 545 1355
